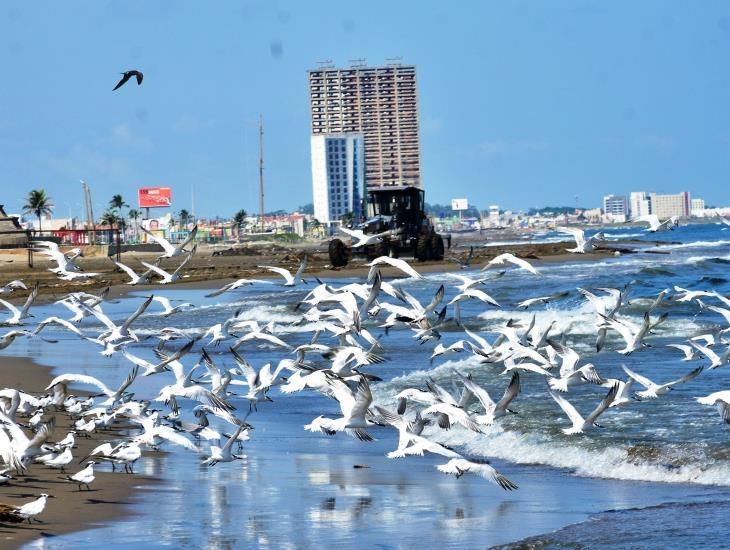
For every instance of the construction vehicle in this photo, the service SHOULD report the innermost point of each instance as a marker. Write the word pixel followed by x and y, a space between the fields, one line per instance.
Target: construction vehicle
pixel 397 225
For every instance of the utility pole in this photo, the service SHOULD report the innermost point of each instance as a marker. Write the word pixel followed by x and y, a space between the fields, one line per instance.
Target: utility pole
pixel 261 170
pixel 89 212
pixel 192 202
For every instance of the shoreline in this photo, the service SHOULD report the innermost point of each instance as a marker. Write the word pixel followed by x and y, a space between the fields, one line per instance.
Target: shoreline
pixel 207 271
pixel 111 496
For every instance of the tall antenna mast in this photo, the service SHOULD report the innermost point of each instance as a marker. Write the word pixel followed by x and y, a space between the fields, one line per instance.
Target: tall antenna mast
pixel 89 211
pixel 261 170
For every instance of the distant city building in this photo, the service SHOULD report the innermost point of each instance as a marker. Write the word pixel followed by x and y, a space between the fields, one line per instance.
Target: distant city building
pixel 615 205
pixel 638 204
pixel 697 208
pixel 337 175
pixel 667 206
pixel 494 220
pixel 381 104
pixel 594 215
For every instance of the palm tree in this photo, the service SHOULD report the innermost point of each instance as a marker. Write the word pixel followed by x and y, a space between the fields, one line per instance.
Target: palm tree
pixel 239 218
pixel 184 217
pixel 38 203
pixel 117 203
pixel 111 219
pixel 134 214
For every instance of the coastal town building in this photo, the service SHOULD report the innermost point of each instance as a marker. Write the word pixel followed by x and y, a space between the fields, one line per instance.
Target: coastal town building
pixel 380 104
pixel 337 175
pixel 667 206
pixel 697 207
pixel 638 204
pixel 616 206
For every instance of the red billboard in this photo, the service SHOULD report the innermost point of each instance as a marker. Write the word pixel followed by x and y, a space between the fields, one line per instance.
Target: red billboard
pixel 154 197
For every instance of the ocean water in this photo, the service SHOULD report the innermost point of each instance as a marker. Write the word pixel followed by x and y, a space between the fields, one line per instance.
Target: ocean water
pixel 651 462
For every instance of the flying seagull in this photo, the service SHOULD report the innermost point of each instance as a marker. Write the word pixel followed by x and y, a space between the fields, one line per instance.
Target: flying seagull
pixel 126 75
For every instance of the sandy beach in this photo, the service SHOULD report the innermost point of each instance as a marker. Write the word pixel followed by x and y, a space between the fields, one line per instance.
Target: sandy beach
pixel 211 265
pixel 70 509
pixel 314 494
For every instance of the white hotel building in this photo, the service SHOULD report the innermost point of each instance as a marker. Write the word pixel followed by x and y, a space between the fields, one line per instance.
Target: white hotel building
pixel 338 172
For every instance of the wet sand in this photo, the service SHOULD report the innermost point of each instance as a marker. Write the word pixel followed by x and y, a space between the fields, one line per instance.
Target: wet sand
pixel 207 270
pixel 70 509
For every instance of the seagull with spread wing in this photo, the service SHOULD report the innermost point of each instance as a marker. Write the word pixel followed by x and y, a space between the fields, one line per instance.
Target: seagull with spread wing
pixel 172 251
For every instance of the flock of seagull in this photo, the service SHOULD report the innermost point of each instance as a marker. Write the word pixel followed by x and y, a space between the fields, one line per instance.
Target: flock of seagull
pixel 209 406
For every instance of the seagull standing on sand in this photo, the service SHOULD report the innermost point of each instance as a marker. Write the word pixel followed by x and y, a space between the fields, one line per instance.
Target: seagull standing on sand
pixel 85 476
pixel 60 461
pixel 27 511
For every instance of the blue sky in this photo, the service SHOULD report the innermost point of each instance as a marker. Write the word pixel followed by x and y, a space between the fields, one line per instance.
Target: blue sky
pixel 521 103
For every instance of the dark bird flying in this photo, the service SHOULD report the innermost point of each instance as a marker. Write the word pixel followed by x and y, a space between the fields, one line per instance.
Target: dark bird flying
pixel 126 76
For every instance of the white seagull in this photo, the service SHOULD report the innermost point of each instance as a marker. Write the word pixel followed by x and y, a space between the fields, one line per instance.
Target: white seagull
pixel 234 285
pixel 135 279
pixel 167 306
pixel 655 225
pixel 113 396
pixel 354 406
pixel 289 279
pixel 11 286
pixel 581 424
pixel 19 315
pixel 402 265
pixel 461 466
pixel 581 244
pixel 512 259
pixel 362 238
pixel 175 276
pixel 85 476
pixel 722 400
pixel 171 251
pixel 654 390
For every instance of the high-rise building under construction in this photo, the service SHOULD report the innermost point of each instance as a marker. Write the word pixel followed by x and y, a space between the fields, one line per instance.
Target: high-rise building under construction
pixel 378 104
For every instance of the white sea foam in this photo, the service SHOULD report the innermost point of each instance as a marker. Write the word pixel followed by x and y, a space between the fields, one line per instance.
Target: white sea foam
pixel 695 244
pixel 609 462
